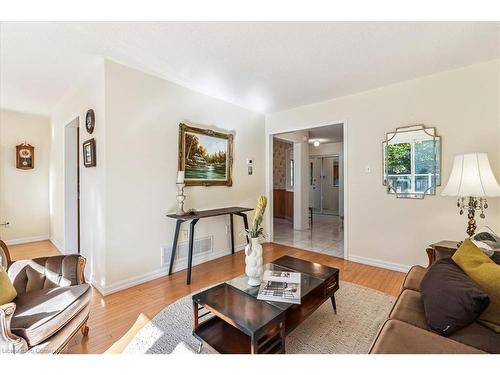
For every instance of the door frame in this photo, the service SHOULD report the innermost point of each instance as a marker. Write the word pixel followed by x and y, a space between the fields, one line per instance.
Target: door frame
pixel 71 183
pixel 269 175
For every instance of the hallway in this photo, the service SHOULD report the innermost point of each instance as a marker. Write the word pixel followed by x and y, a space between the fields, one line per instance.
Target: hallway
pixel 326 235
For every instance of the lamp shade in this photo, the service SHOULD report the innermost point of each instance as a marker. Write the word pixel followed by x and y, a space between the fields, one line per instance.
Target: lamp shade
pixel 471 176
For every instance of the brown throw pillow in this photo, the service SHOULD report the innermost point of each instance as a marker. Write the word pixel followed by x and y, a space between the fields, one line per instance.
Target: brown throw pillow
pixel 451 299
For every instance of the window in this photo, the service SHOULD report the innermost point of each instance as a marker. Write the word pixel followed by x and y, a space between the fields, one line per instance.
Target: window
pixel 411 166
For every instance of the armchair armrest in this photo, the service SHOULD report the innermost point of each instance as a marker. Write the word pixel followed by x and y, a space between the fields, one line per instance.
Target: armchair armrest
pixel 9 343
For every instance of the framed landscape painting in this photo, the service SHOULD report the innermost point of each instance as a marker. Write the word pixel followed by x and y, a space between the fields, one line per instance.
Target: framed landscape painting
pixel 205 156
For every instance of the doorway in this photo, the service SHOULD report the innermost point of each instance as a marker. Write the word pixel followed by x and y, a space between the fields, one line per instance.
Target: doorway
pixel 324 185
pixel 317 176
pixel 72 187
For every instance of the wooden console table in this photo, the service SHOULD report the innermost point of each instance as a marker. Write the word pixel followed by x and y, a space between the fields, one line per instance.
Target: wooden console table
pixel 238 211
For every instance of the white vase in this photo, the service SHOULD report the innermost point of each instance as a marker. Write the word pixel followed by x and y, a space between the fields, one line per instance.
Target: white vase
pixel 253 261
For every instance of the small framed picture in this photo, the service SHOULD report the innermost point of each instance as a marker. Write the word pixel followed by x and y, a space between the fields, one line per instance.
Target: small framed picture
pixel 89 153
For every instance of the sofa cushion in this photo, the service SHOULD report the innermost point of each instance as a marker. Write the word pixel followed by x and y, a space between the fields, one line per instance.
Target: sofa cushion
pixel 478 336
pixel 451 299
pixel 398 337
pixel 413 278
pixel 486 273
pixel 409 308
pixel 42 313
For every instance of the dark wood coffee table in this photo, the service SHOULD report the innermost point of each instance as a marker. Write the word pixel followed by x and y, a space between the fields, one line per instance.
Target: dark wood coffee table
pixel 228 318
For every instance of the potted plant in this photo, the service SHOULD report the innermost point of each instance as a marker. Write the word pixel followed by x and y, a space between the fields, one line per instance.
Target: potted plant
pixel 253 250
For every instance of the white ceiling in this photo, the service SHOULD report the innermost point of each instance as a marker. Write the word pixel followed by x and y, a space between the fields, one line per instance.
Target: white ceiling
pixel 327 134
pixel 261 66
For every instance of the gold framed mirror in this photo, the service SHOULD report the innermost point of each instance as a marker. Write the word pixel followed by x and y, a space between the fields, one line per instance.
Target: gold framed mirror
pixel 412 161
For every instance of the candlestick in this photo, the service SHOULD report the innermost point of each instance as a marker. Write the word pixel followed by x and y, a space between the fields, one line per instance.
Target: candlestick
pixel 180 177
pixel 180 198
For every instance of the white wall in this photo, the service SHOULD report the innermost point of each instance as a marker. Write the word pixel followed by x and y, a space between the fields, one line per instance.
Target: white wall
pixel 125 199
pixel 301 186
pixel 24 194
pixel 143 113
pixel 462 104
pixel 88 94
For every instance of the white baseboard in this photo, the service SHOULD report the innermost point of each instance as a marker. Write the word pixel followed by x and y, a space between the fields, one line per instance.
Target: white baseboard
pixel 57 245
pixel 180 265
pixel 19 241
pixel 380 263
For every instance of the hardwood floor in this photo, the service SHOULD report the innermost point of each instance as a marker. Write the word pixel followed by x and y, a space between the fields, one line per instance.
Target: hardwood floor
pixel 113 315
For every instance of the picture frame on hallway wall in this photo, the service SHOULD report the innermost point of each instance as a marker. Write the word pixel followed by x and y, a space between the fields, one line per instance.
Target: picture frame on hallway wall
pixel 89 153
pixel 205 156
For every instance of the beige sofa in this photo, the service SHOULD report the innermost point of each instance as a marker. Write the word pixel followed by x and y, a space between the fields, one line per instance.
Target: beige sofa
pixel 406 331
pixel 51 306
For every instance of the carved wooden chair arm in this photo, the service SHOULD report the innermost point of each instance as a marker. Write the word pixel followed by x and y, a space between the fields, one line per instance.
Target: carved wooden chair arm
pixel 9 343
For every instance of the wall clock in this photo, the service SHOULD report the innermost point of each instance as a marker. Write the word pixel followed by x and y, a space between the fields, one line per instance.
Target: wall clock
pixel 90 121
pixel 25 156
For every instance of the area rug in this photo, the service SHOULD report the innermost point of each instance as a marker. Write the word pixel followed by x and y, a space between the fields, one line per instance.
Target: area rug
pixel 360 313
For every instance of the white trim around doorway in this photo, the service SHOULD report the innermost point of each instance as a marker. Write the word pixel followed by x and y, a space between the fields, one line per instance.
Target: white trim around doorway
pixel 269 176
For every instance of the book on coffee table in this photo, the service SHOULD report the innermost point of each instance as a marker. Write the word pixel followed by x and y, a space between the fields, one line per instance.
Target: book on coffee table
pixel 280 286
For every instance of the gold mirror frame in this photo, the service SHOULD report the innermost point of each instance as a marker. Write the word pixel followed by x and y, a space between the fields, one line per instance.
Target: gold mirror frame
pixel 437 146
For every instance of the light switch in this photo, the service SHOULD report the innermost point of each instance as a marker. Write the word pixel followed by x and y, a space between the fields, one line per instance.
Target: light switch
pixel 368 169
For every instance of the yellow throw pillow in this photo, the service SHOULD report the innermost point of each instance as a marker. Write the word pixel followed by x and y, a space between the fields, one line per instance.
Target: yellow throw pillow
pixel 485 273
pixel 7 291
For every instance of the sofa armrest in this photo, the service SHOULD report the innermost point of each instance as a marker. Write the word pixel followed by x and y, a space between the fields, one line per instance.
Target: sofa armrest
pixel 9 343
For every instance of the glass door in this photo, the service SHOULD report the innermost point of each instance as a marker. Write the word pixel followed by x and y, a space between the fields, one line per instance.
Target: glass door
pixel 315 184
pixel 330 185
pixel 324 184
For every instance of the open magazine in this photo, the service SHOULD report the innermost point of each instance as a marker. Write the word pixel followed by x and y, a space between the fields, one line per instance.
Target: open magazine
pixel 280 286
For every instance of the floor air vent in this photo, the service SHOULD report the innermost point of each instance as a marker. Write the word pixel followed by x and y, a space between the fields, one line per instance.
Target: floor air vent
pixel 201 247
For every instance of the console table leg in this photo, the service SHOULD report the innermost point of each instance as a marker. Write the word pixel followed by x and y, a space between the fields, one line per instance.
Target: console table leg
pixel 191 243
pixel 174 246
pixel 245 222
pixel 231 234
pixel 334 304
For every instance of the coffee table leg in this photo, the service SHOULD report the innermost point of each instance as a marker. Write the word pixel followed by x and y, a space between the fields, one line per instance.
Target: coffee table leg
pixel 200 346
pixel 282 335
pixel 334 304
pixel 195 316
pixel 253 346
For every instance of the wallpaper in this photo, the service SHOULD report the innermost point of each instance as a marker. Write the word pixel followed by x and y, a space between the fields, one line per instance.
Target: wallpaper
pixel 279 163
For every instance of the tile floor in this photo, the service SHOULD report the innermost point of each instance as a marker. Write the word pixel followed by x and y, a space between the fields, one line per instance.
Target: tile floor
pixel 326 235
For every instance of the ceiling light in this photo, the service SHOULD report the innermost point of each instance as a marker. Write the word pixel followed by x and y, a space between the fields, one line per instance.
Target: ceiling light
pixel 316 143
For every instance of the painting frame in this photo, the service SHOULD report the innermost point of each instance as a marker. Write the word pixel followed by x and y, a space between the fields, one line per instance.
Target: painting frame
pixel 228 137
pixel 90 159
